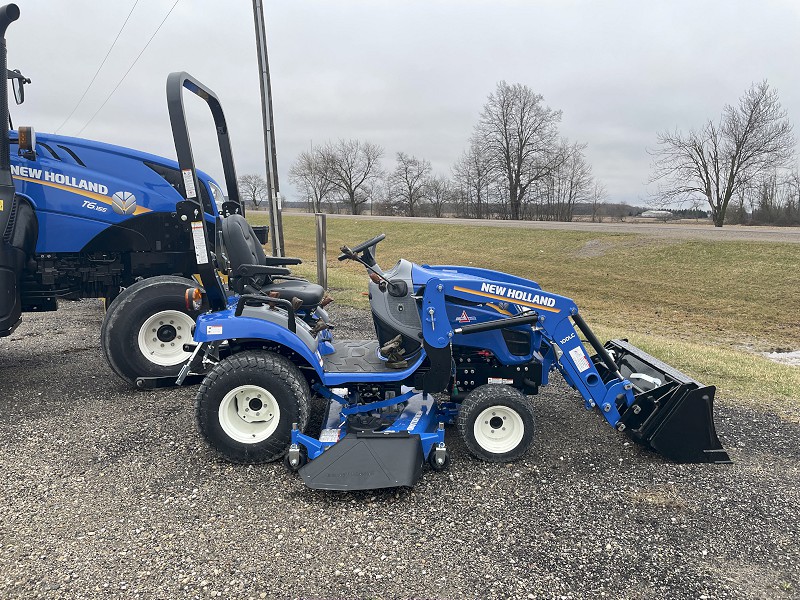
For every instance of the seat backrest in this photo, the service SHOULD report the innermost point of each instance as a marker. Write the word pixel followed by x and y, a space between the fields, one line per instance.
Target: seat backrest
pixel 241 244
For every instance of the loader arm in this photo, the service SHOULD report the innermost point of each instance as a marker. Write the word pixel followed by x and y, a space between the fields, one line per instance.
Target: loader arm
pixel 550 314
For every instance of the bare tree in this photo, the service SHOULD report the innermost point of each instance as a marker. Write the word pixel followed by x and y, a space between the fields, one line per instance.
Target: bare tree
pixel 352 166
pixel 473 175
pixel 737 209
pixel 774 199
pixel 721 158
pixel 696 206
pixel 567 184
pixel 407 182
pixel 792 197
pixel 439 193
pixel 598 197
pixel 254 189
pixel 520 137
pixel 310 174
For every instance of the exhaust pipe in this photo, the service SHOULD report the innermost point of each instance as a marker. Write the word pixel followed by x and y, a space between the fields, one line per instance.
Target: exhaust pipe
pixel 11 259
pixel 8 14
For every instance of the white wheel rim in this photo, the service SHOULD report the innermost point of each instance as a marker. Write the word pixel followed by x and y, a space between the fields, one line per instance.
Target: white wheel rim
pixel 249 414
pixel 162 336
pixel 499 429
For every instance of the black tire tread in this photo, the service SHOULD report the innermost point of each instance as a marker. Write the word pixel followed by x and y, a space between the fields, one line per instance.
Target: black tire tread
pixel 259 361
pixel 476 401
pixel 118 310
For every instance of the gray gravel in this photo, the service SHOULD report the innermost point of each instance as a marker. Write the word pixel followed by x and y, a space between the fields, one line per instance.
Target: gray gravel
pixel 109 492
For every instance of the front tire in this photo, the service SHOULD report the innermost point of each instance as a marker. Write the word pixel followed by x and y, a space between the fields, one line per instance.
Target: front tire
pixel 247 404
pixel 146 326
pixel 496 423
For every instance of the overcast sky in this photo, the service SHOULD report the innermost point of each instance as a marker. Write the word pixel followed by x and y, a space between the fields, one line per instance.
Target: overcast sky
pixel 410 75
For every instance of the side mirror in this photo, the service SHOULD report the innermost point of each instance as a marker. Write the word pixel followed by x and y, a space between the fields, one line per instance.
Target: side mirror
pixel 19 90
pixel 18 81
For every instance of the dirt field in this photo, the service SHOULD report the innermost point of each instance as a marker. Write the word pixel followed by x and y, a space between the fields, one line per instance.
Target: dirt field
pixel 108 492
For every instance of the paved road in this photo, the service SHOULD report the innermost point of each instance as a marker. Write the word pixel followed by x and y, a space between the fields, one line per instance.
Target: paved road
pixel 729 233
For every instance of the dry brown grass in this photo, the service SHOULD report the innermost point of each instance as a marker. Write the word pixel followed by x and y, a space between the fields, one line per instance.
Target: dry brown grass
pixel 694 304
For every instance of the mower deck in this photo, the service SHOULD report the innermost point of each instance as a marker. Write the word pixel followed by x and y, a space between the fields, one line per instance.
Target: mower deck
pixel 376 445
pixel 367 461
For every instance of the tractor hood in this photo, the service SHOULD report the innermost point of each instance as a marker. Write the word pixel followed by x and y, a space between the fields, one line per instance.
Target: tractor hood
pixel 82 187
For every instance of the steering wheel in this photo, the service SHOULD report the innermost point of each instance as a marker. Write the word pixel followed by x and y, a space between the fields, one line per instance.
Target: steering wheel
pixel 348 253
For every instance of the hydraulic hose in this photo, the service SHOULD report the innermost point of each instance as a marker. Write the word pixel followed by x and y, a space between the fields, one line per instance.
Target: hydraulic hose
pixel 598 347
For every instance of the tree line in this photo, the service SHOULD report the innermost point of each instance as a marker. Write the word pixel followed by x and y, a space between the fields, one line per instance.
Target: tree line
pixel 517 166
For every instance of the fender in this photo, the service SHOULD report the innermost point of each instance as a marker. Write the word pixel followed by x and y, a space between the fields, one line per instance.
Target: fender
pixel 223 325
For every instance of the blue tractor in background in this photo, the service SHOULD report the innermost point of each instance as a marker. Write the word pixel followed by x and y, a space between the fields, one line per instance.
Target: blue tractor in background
pixel 84 219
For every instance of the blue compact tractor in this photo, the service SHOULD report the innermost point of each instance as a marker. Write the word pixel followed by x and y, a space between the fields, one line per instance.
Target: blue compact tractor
pixel 454 345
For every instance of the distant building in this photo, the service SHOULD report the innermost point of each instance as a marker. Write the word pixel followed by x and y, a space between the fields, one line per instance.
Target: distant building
pixel 657 214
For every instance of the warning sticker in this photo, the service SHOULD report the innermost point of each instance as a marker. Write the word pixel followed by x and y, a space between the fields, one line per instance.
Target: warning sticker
pixel 199 239
pixel 500 380
pixel 329 435
pixel 213 329
pixel 579 358
pixel 188 183
pixel 415 420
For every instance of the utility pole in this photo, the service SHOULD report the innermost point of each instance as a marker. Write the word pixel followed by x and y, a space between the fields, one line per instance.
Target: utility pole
pixel 270 153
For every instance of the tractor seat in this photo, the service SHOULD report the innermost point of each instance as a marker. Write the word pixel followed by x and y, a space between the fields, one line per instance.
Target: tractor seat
pixel 243 248
pixel 309 293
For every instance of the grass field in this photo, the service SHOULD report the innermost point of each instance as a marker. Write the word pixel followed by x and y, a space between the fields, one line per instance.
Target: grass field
pixel 704 307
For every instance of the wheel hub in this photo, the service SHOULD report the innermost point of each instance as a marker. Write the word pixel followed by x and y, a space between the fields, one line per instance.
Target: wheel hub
pixel 249 414
pixel 161 337
pixel 167 333
pixel 499 429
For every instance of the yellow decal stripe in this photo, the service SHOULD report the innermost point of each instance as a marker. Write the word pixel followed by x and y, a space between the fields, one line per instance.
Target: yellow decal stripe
pixel 500 310
pixel 93 195
pixel 503 299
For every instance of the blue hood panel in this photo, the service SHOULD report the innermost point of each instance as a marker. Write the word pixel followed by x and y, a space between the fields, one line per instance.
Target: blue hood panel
pixel 80 187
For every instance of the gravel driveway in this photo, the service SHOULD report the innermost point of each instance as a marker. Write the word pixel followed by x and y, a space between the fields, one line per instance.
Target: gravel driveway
pixel 109 492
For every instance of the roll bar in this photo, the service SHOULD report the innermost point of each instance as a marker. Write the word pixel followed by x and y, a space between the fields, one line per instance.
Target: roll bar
pixel 190 211
pixel 176 83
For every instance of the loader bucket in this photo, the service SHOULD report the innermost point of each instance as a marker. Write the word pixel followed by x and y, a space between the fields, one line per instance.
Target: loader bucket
pixel 672 413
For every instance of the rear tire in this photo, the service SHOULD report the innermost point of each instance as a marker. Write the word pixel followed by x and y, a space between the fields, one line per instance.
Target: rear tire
pixel 496 423
pixel 146 326
pixel 246 405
